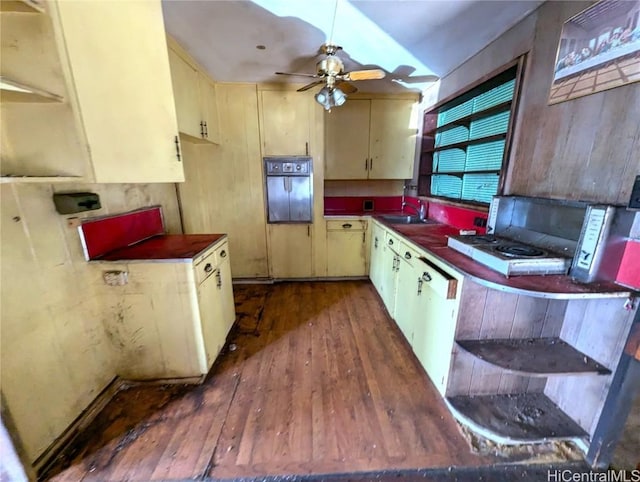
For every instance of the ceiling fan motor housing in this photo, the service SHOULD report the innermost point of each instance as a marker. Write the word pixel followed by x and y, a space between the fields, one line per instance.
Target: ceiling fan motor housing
pixel 330 66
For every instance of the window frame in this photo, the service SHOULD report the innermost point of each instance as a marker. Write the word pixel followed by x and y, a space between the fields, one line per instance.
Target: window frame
pixel 429 126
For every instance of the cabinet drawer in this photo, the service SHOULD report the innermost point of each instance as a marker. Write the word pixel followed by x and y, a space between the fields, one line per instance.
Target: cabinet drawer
pixel 409 253
pixel 442 283
pixel 346 225
pixel 222 252
pixel 206 266
pixel 392 241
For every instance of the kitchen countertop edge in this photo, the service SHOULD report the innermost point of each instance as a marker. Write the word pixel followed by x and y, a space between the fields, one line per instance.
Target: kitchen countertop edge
pixel 610 290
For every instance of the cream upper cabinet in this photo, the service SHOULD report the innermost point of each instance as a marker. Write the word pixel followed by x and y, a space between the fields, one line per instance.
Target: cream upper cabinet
pixel 371 139
pixel 118 61
pixel 290 250
pixel 195 97
pixel 185 91
pixel 286 122
pixel 209 100
pixel 392 142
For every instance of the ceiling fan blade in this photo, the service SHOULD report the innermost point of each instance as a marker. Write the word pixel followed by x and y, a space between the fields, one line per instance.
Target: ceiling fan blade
pixel 347 88
pixel 312 84
pixel 373 74
pixel 299 75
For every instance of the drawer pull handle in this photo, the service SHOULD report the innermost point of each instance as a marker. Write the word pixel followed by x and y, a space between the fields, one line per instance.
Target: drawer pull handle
pixel 407 255
pixel 426 277
pixel 208 268
pixel 390 242
pixel 346 226
pixel 223 254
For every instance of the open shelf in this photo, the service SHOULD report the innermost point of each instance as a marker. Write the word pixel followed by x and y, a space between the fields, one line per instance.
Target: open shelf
pixel 462 145
pixel 536 357
pixel 21 6
pixel 12 91
pixel 463 121
pixel 514 418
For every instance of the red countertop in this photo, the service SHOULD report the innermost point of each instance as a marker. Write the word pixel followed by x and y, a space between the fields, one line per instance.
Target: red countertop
pixel 433 237
pixel 164 247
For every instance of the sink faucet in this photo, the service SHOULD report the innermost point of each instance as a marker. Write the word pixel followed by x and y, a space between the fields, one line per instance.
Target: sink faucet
pixel 420 209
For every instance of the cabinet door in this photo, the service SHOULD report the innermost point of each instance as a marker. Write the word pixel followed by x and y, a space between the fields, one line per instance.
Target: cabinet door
pixel 406 304
pixel 347 141
pixel 376 257
pixel 285 123
pixel 389 279
pixel 225 286
pixel 290 254
pixel 393 137
pixel 209 104
pixel 346 253
pixel 214 332
pixel 121 75
pixel 185 91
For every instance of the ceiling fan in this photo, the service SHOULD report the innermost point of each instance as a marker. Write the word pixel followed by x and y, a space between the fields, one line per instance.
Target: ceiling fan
pixel 330 72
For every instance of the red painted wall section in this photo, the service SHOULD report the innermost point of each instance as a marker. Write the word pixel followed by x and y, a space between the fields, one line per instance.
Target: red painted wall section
pixel 629 272
pixel 103 235
pixel 354 205
pixel 458 217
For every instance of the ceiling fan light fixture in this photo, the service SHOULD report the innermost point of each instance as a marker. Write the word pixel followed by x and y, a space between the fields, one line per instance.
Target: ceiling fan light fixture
pixel 329 97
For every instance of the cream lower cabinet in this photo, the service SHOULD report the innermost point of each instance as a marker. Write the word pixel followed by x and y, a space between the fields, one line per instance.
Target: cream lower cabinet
pixel 408 292
pixel 371 139
pixel 347 247
pixel 290 250
pixel 170 319
pixel 435 323
pixel 422 295
pixel 390 271
pixel 377 266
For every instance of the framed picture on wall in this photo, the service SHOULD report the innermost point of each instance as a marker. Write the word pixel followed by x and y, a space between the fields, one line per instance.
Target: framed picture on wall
pixel 599 49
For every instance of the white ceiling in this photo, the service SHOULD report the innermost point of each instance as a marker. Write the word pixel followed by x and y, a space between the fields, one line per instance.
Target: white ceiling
pixel 406 38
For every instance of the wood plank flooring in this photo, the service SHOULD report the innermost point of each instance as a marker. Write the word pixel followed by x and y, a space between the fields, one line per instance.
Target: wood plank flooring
pixel 315 379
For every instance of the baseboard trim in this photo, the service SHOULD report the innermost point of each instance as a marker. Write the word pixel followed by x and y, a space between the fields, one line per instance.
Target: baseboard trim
pixel 46 459
pixel 44 462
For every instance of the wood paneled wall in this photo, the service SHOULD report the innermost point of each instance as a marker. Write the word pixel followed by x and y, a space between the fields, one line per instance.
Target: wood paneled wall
pixel 587 148
pixel 599 329
pixel 490 314
pixel 56 355
pixel 223 191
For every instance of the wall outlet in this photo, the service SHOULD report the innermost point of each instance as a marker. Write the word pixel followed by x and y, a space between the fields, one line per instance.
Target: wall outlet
pixel 480 222
pixel 115 278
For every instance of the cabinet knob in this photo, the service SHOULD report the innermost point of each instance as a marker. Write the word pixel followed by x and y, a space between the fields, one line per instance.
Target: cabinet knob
pixel 391 242
pixel 223 254
pixel 426 277
pixel 407 255
pixel 346 226
pixel 208 268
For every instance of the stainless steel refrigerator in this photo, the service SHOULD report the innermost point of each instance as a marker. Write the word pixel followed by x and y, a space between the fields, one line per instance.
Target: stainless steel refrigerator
pixel 289 183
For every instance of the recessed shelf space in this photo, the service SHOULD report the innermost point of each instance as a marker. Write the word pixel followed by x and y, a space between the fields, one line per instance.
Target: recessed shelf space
pixel 535 357
pixel 12 91
pixel 464 121
pixel 21 6
pixel 514 418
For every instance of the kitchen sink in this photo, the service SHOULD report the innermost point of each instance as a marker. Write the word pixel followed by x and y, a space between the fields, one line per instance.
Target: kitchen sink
pixel 405 219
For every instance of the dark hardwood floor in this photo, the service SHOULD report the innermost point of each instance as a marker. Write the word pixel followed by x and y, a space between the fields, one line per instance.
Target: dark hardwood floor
pixel 315 379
